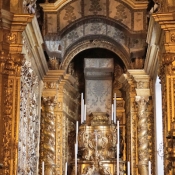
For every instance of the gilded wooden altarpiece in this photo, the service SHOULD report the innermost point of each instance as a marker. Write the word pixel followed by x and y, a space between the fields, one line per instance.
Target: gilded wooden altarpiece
pixel 59 113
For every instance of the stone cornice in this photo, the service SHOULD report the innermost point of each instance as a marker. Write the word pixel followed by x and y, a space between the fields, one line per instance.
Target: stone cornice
pixel 20 21
pixel 142 81
pixel 139 75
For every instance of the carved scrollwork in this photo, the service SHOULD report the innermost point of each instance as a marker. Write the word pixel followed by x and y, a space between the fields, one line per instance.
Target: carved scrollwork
pixel 92 169
pixel 98 145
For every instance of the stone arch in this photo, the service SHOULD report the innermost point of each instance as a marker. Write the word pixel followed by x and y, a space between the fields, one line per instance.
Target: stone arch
pixel 96 43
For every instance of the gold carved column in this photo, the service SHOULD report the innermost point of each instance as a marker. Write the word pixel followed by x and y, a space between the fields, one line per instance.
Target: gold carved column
pixel 167 76
pixel 143 141
pixel 67 115
pixel 10 69
pixel 161 54
pixel 48 134
pixel 59 113
pixel 145 133
pixel 140 148
pixel 131 121
pixel 48 122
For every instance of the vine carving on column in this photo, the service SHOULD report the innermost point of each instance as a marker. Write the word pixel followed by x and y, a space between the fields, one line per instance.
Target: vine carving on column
pixel 143 144
pixel 48 134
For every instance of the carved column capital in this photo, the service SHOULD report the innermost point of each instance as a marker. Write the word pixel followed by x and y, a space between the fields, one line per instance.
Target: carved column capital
pixel 142 100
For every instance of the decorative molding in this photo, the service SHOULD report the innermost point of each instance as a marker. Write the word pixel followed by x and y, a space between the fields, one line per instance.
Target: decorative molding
pixel 95 44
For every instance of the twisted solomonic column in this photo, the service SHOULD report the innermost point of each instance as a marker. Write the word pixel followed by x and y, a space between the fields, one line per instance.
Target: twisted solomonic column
pixel 48 135
pixel 143 153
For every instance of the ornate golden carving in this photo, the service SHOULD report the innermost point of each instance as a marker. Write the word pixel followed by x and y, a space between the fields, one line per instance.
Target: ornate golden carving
pixel 168 58
pixel 10 38
pixel 10 64
pixel 142 135
pixel 7 125
pixel 129 85
pixel 97 141
pixel 48 135
pixel 51 85
pixel 59 143
pixel 172 37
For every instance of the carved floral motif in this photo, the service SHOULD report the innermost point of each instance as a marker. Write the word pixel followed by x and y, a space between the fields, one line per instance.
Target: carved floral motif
pixel 7 120
pixel 29 122
pixel 95 6
pixel 69 14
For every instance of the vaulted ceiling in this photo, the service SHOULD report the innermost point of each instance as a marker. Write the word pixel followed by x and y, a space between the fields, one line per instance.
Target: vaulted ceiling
pixel 73 26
